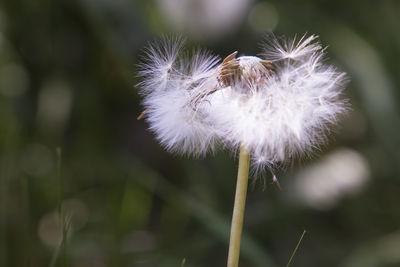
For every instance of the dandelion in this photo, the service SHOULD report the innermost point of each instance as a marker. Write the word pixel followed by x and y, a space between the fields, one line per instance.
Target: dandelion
pixel 272 108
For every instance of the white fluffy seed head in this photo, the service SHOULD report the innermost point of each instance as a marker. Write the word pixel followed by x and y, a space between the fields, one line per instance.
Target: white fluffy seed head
pixel 277 106
pixel 171 86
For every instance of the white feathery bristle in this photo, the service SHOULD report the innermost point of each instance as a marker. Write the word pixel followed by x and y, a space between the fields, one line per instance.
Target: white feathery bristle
pixel 278 106
pixel 171 89
pixel 177 126
pixel 276 50
pixel 159 65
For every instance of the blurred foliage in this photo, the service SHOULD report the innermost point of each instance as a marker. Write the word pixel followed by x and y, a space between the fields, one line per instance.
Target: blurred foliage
pixel 67 79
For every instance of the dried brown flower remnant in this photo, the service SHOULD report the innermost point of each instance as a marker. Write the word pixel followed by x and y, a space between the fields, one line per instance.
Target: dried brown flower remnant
pixel 229 70
pixel 246 69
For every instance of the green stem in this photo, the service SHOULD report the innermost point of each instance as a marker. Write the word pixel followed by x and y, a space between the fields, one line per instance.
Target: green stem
pixel 60 182
pixel 296 248
pixel 238 208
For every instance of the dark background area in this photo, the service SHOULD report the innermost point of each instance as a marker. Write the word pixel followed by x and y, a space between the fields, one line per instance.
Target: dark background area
pixel 67 79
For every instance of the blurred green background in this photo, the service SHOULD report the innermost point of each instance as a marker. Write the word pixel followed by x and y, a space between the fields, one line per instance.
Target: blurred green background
pixel 67 79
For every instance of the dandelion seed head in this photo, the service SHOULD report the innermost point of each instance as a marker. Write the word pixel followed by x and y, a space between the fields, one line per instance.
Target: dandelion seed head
pixel 278 106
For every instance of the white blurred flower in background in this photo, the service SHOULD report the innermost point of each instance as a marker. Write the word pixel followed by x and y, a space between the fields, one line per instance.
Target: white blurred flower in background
pixel 204 18
pixel 263 17
pixel 341 173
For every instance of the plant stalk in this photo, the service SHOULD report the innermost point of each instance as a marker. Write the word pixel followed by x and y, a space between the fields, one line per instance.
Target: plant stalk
pixel 238 208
